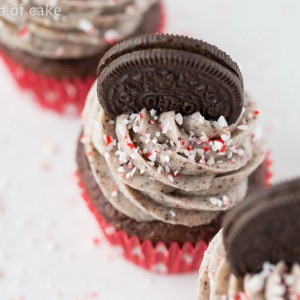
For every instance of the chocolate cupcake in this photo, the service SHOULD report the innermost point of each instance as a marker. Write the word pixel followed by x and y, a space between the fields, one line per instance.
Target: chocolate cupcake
pixel 256 256
pixel 168 145
pixel 52 47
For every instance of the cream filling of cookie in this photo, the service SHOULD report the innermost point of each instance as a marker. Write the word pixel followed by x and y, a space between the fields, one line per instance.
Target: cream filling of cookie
pixel 175 169
pixel 81 29
pixel 274 282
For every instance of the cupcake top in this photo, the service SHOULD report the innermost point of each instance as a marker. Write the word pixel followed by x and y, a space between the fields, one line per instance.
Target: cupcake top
pixel 66 28
pixel 256 256
pixel 181 166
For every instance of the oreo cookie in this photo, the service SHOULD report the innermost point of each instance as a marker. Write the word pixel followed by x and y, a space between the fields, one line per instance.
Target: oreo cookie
pixel 168 72
pixel 264 228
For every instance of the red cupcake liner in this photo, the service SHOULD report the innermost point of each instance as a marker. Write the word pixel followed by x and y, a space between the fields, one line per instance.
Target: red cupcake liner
pixel 60 95
pixel 160 258
pixel 163 259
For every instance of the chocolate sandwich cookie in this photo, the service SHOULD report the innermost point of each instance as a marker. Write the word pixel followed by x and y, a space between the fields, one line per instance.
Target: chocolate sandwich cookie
pixel 170 73
pixel 263 229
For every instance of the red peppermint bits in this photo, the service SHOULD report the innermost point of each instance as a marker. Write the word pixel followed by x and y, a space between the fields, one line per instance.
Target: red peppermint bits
pixel 96 241
pixel 223 149
pixel 182 143
pixel 206 149
pixel 152 122
pixel 108 139
pixel 189 148
pixel 141 116
pixel 256 112
pixel 111 37
pixel 131 146
pixel 24 32
pixel 149 154
pixel 241 296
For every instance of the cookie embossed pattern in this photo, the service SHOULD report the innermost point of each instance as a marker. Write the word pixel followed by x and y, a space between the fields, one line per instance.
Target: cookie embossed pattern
pixel 160 179
pixel 165 73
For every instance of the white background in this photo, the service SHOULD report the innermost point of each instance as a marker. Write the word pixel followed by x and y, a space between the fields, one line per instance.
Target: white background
pixel 46 232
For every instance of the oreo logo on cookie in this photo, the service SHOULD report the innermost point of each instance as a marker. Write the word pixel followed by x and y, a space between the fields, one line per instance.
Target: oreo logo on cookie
pixel 167 72
pixel 264 228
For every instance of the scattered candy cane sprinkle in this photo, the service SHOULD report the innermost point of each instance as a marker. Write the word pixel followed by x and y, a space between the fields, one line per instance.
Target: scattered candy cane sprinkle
pixel 111 36
pixel 114 191
pixel 108 139
pixel 170 177
pixel 243 127
pixel 216 202
pixel 110 143
pixel 24 33
pixel 222 123
pixel 96 241
pixel 224 202
pixel 211 161
pixel 87 27
pixel 256 113
pixel 172 213
pixel 202 149
pixel 179 118
pixel 130 146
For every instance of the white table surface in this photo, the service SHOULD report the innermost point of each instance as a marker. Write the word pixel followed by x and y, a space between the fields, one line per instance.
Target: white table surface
pixel 46 232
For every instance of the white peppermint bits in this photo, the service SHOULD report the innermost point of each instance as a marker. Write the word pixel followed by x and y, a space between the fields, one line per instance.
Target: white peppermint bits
pixel 222 123
pixel 179 118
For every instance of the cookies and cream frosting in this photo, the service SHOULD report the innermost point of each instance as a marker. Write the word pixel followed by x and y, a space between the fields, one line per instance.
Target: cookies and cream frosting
pixel 216 282
pixel 79 29
pixel 168 167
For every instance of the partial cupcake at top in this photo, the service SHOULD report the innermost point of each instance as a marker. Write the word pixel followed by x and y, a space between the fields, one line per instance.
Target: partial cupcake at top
pixel 168 145
pixel 257 255
pixel 54 53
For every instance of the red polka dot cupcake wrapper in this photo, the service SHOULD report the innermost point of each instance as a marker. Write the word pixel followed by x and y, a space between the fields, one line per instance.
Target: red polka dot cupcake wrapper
pixel 162 259
pixel 60 95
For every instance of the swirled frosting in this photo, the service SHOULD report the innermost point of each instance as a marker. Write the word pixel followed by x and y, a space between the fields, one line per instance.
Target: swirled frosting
pixel 166 167
pixel 216 282
pixel 79 29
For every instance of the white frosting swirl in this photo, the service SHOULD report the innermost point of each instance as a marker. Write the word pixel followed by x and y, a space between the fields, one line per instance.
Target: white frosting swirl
pixel 81 29
pixel 179 170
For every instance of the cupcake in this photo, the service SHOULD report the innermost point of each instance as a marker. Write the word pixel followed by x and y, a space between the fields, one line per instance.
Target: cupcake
pixel 256 256
pixel 52 47
pixel 168 144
